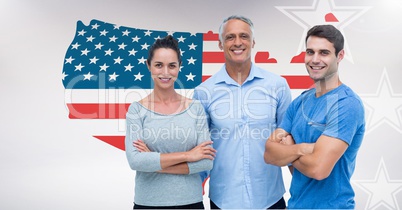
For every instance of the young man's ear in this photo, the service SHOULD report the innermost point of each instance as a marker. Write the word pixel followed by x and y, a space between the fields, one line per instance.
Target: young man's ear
pixel 341 55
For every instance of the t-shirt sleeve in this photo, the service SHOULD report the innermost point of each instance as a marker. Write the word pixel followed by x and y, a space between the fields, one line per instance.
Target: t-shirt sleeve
pixel 287 120
pixel 344 119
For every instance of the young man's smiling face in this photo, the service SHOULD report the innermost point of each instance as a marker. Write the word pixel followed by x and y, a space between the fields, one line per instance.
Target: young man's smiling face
pixel 320 60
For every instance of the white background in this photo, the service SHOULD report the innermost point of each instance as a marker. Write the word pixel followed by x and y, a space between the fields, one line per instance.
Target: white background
pixel 49 161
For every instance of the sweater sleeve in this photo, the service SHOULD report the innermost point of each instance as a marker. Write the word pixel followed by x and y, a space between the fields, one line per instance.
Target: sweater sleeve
pixel 203 135
pixel 139 161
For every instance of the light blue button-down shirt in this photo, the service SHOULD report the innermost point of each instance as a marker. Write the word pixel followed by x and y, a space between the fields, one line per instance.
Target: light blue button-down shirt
pixel 241 118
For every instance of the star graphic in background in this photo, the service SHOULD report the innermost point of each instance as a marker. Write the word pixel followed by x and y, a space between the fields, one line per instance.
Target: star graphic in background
pixel 190 76
pixel 384 106
pixel 323 12
pixel 382 190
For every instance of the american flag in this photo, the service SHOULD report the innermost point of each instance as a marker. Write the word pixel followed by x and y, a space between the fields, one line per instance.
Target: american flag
pixel 107 59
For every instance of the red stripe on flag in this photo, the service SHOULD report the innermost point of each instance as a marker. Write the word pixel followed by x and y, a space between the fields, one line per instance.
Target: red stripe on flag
pixel 116 141
pixel 205 77
pixel 213 57
pixel 97 111
pixel 210 36
pixel 298 58
pixel 299 82
pixel 263 57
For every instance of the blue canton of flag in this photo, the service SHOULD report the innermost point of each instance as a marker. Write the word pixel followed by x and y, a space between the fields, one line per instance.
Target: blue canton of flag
pixel 104 55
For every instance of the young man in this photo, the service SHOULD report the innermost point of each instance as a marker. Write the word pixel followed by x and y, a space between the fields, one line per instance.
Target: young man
pixel 322 130
pixel 244 104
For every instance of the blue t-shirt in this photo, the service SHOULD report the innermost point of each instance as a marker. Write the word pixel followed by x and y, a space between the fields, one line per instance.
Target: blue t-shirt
pixel 338 114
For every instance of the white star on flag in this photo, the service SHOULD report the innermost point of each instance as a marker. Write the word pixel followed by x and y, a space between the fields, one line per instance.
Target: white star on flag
pixel 113 38
pixel 69 60
pixel 88 76
pixel 90 39
pixel 113 76
pixel 191 60
pixel 75 46
pixel 138 76
pixel 148 33
pixel 136 39
pixel 104 32
pixel 192 46
pixel 142 60
pixel 81 33
pixel 93 60
pixel 99 46
pixel 79 67
pixel 122 46
pixel 132 52
pixel 190 77
pixel 128 67
pixel 117 60
pixel 85 52
pixel 181 39
pixel 126 32
pixel 64 75
pixel 145 46
pixel 103 67
pixel 95 26
pixel 384 106
pixel 109 52
pixel 382 190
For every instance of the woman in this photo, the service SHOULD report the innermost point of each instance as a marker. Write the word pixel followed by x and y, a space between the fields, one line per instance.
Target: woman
pixel 167 141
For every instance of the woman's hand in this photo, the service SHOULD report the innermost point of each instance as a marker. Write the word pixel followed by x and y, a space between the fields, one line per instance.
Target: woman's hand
pixel 141 146
pixel 202 151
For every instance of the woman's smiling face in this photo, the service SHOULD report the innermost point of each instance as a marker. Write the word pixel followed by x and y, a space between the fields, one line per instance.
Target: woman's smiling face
pixel 164 67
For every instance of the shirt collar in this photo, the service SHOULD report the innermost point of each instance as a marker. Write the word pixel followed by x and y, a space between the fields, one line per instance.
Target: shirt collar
pixel 223 76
